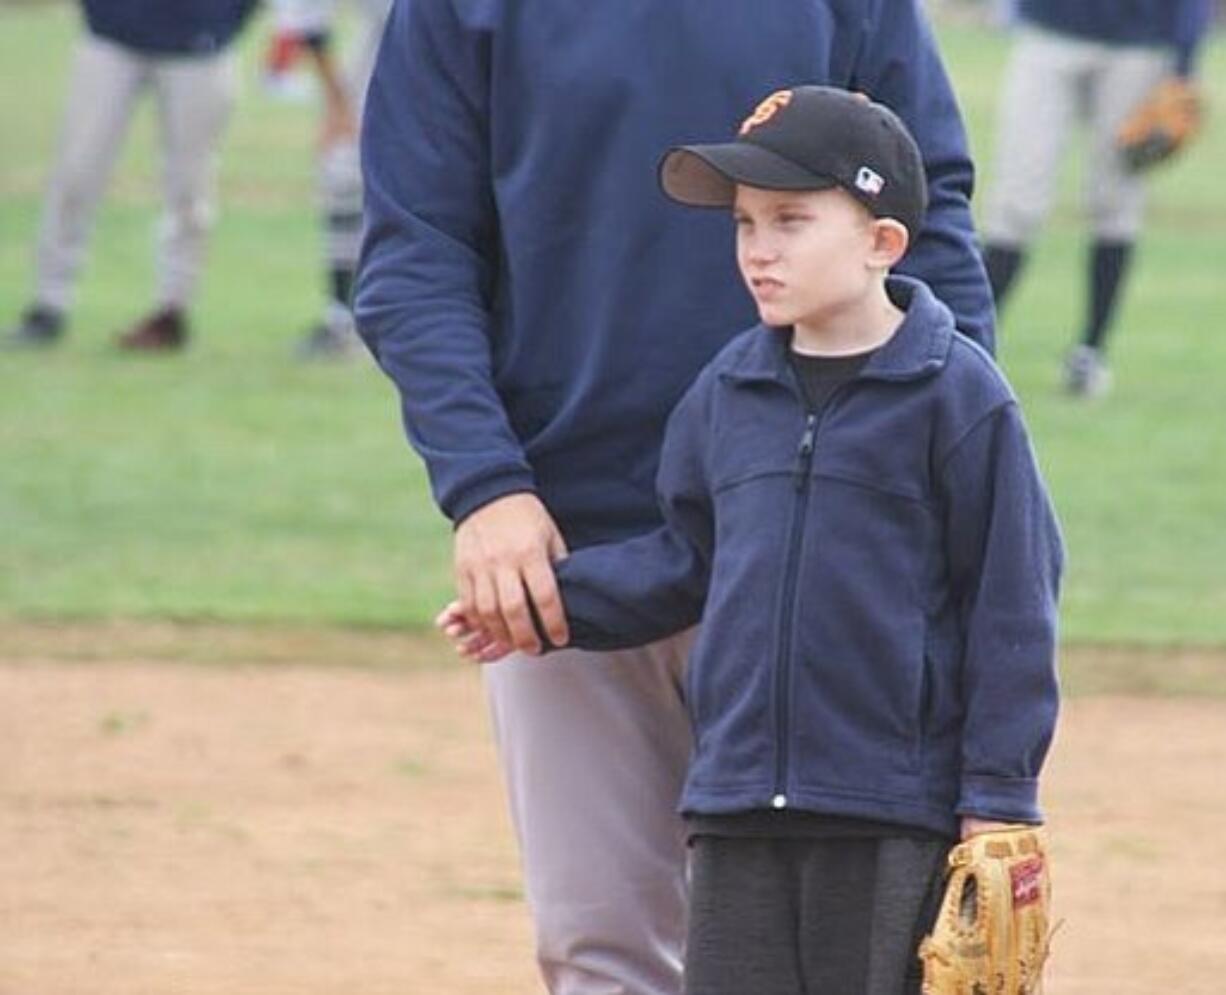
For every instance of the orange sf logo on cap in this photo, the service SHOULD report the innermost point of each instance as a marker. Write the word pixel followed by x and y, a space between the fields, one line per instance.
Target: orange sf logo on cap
pixel 766 110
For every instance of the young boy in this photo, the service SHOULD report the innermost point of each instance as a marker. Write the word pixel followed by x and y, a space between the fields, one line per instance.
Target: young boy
pixel 854 512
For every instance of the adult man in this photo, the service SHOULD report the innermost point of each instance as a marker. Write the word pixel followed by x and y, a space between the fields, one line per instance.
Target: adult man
pixel 180 51
pixel 541 307
pixel 1095 60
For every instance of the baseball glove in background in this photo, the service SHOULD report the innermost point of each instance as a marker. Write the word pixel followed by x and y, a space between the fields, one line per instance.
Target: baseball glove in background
pixel 991 936
pixel 1165 122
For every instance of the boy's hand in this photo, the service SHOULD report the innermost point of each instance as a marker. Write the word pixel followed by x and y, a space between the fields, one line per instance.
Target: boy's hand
pixel 992 935
pixel 468 637
pixel 973 827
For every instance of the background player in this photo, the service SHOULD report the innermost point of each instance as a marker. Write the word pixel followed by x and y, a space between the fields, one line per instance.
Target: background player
pixel 180 51
pixel 313 25
pixel 1094 60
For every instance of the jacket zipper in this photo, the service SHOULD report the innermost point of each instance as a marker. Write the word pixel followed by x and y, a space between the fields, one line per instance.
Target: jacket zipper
pixel 783 665
pixel 802 483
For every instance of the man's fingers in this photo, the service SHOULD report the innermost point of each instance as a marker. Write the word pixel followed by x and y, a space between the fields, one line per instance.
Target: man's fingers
pixel 513 600
pixel 466 598
pixel 543 590
pixel 488 611
pixel 502 555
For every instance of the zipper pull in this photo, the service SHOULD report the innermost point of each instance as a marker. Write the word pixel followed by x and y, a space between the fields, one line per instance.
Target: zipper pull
pixel 804 455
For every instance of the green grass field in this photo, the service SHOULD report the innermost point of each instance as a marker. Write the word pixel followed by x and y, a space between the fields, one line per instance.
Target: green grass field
pixel 232 483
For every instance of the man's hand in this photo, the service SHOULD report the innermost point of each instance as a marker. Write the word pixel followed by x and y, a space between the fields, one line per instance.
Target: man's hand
pixel 504 553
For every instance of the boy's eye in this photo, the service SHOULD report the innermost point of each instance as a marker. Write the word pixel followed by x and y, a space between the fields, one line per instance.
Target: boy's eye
pixel 791 218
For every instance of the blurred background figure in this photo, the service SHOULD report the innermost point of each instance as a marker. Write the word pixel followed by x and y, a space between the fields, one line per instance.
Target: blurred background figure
pixel 1004 11
pixel 1091 62
pixel 281 74
pixel 310 26
pixel 179 50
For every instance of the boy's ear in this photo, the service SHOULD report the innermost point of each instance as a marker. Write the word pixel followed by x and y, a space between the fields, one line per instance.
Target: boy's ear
pixel 890 240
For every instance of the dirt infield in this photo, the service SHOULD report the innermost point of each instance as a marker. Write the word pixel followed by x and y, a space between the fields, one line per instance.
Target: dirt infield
pixel 285 828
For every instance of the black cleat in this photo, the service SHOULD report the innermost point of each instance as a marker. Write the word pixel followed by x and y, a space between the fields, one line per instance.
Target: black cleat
pixel 39 326
pixel 161 331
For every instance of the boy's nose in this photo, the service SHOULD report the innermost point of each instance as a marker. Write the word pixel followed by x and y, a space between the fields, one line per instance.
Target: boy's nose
pixel 762 254
pixel 759 249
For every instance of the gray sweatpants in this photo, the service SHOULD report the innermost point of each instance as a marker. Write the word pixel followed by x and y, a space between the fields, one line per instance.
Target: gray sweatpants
pixel 594 748
pixel 194 98
pixel 1052 82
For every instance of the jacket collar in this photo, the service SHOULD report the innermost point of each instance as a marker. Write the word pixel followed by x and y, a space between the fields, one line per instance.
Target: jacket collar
pixel 919 347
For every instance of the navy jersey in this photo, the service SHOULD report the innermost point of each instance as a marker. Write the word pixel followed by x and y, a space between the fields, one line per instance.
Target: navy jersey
pixel 168 27
pixel 877 584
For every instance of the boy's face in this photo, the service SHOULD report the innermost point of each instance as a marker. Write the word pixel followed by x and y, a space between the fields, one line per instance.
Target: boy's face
pixel 806 256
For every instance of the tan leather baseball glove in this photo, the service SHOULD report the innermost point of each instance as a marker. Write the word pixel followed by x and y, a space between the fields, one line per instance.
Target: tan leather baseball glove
pixel 992 934
pixel 1165 122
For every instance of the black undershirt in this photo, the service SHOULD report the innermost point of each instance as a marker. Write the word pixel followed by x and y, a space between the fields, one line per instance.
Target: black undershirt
pixel 821 376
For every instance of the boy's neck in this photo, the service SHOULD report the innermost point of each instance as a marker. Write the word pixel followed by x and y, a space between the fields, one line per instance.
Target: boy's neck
pixel 862 328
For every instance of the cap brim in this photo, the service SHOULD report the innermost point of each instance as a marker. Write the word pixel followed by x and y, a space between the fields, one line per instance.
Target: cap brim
pixel 707 175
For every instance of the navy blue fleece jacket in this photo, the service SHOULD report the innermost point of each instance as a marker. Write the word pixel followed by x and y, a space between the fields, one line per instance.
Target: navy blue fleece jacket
pixel 877 583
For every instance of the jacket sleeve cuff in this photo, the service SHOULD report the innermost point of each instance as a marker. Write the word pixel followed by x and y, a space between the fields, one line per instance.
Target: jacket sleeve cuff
pixel 1003 799
pixel 487 490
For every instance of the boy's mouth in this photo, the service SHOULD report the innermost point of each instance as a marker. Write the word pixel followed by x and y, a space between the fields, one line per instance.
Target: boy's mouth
pixel 765 286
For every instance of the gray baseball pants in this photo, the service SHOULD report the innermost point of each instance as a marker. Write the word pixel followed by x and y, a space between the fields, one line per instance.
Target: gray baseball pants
pixel 195 95
pixel 594 748
pixel 1053 82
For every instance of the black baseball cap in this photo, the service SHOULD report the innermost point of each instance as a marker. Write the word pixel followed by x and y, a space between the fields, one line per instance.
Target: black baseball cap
pixel 809 138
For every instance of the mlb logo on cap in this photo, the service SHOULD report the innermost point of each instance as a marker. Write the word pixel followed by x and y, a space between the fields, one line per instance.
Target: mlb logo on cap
pixel 869 181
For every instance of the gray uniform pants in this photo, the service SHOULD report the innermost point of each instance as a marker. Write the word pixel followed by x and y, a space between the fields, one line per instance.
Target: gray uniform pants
pixel 1052 82
pixel 594 748
pixel 194 98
